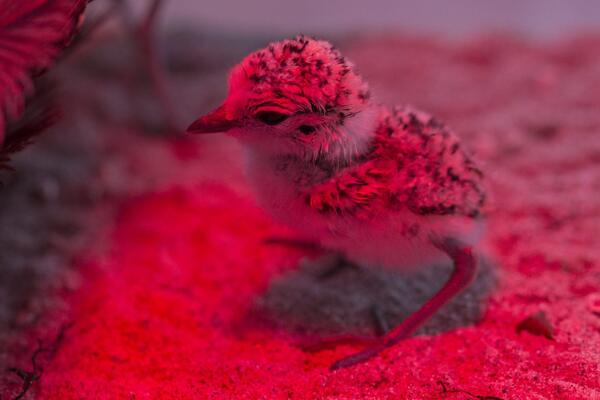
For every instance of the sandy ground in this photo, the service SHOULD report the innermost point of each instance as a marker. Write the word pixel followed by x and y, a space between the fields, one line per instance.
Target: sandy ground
pixel 166 289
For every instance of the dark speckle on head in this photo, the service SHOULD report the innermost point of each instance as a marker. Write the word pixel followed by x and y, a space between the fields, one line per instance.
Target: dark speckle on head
pixel 300 73
pixel 364 95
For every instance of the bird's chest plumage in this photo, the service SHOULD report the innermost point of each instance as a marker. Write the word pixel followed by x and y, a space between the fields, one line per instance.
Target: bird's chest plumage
pixel 279 184
pixel 282 188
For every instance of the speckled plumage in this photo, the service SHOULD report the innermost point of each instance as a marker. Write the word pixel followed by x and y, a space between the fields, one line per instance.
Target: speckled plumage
pixel 412 162
pixel 386 187
pixel 334 162
pixel 363 167
pixel 302 74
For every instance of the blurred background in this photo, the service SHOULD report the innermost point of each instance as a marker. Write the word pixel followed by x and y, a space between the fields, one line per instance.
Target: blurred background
pixel 537 19
pixel 112 220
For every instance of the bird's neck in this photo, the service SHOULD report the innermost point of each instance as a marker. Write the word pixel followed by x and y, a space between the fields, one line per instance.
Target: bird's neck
pixel 355 138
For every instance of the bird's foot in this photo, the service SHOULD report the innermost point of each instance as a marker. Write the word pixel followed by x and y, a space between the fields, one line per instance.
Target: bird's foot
pixel 391 337
pixel 357 358
pixel 387 339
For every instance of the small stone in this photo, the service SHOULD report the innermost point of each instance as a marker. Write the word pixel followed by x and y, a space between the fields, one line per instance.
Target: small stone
pixel 537 324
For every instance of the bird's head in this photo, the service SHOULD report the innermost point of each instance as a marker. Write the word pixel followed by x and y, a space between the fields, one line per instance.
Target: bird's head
pixel 298 96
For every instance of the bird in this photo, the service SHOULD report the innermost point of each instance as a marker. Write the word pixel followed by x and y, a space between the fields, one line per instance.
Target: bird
pixel 381 186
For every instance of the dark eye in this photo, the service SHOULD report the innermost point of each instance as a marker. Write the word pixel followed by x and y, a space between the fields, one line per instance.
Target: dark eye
pixel 270 117
pixel 306 129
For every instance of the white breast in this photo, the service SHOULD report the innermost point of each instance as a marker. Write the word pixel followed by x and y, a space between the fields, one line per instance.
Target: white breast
pixel 281 197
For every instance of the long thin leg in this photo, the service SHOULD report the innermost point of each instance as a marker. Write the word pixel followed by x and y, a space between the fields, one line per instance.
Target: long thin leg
pixel 465 268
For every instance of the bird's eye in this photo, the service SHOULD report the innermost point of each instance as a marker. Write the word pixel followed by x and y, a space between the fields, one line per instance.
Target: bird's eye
pixel 271 117
pixel 306 129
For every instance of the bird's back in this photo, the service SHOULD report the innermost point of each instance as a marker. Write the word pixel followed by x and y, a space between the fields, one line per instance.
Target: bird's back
pixel 414 181
pixel 413 162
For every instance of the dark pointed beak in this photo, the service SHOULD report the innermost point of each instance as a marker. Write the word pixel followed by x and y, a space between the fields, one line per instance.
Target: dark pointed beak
pixel 216 121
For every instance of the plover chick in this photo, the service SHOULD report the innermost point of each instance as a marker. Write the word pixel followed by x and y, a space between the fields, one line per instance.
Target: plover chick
pixel 386 187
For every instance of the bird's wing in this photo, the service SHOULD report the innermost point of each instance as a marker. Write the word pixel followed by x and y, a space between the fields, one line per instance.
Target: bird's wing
pixel 358 191
pixel 415 163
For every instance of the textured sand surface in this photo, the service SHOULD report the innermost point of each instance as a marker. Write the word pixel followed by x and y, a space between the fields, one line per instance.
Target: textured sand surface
pixel 185 301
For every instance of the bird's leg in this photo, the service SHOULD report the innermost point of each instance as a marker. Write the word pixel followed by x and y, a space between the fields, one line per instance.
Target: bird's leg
pixel 465 268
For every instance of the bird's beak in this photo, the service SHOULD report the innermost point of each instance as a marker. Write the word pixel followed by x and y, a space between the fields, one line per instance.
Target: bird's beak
pixel 216 121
